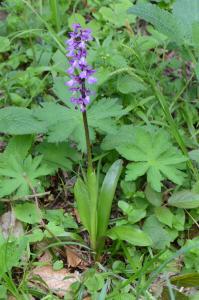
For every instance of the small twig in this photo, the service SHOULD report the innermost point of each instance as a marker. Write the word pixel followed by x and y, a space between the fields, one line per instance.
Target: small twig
pixel 25 197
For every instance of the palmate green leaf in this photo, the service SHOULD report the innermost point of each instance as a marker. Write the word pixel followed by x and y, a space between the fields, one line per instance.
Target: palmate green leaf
pixel 64 123
pixel 19 146
pixel 58 155
pixel 163 21
pixel 122 136
pixel 154 155
pixel 18 176
pixel 19 121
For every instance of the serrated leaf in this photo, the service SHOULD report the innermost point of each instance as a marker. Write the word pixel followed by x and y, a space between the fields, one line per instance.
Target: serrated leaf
pixel 58 155
pixel 19 145
pixel 153 154
pixel 19 176
pixel 163 21
pixel 122 136
pixel 184 199
pixel 64 123
pixel 28 213
pixel 19 121
pixel 130 234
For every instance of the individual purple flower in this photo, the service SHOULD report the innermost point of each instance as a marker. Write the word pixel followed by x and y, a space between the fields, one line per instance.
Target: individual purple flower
pixel 79 71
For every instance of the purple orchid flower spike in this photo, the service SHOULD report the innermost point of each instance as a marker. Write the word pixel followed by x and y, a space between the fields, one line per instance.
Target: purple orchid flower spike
pixel 81 74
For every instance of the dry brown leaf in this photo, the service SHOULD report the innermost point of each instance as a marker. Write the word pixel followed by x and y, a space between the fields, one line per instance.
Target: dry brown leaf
pixel 46 257
pixel 10 226
pixel 73 258
pixel 58 282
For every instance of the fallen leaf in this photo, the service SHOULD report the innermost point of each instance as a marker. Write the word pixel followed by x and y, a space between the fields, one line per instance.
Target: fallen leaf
pixel 10 226
pixel 73 258
pixel 46 257
pixel 58 282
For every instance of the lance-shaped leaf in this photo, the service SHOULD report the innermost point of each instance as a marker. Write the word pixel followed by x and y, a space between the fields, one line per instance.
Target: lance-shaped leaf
pixel 106 196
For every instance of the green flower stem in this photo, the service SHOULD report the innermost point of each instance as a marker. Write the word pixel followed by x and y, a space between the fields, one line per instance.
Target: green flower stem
pixel 88 144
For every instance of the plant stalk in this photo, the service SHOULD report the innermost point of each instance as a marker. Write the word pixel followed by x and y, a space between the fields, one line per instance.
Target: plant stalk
pixel 88 144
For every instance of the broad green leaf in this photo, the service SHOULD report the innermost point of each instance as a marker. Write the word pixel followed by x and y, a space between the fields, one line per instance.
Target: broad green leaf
pixel 179 219
pixel 58 155
pixel 64 123
pixel 164 215
pixel 117 13
pixel 58 265
pixel 4 44
pixel 37 235
pixel 76 19
pixel 160 237
pixel 131 235
pixel 83 202
pixel 186 280
pixel 106 196
pixel 154 155
pixel 134 214
pixel 3 292
pixel 127 84
pixel 94 283
pixel 20 176
pixel 155 198
pixel 11 254
pixel 28 213
pixel 59 217
pixel 128 188
pixel 122 136
pixel 19 121
pixel 19 145
pixel 163 21
pixel 187 12
pixel 194 155
pixel 184 199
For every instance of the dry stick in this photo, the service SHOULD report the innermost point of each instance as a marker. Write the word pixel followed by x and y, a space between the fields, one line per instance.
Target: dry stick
pixel 24 198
